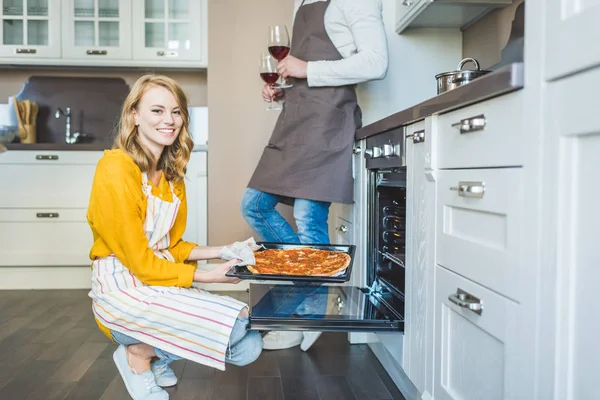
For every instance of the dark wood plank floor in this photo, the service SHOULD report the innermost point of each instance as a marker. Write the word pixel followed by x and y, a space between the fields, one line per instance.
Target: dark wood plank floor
pixel 50 348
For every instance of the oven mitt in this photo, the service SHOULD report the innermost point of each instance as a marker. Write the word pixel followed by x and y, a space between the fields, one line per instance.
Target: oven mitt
pixel 241 250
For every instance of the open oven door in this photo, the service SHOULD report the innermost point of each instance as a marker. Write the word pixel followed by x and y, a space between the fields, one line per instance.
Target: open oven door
pixel 310 307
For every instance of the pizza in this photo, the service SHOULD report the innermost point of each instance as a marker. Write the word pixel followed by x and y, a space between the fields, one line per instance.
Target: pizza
pixel 301 261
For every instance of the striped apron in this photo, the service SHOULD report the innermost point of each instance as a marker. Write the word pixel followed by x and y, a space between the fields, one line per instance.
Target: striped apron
pixel 188 322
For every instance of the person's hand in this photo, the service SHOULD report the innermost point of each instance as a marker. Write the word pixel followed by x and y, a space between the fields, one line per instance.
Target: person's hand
pixel 271 94
pixel 217 274
pixel 292 66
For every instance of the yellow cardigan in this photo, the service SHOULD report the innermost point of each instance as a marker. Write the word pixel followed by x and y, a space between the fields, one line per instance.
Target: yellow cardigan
pixel 116 215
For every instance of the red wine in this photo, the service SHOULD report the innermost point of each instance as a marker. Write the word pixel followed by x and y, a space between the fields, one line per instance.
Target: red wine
pixel 269 77
pixel 279 52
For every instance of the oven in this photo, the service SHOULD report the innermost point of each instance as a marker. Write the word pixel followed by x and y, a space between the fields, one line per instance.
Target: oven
pixel 377 306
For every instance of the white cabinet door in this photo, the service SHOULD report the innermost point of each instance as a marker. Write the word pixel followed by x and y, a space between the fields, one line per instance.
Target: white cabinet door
pixel 30 29
pixel 96 30
pixel 170 30
pixel 570 277
pixel 474 353
pixel 39 237
pixel 572 32
pixel 420 247
pixel 197 197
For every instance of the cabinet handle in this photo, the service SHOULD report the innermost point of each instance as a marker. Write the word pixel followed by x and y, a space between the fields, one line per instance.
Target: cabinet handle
pixel 407 3
pixel 162 53
pixel 46 157
pixel 25 51
pixel 47 215
pixel 472 124
pixel 343 229
pixel 417 137
pixel 96 52
pixel 357 150
pixel 466 300
pixel 470 189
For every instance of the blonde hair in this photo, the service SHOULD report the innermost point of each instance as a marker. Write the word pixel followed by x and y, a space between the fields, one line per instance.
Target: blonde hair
pixel 175 157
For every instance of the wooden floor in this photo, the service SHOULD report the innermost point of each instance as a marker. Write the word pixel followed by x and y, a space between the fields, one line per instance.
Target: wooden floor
pixel 50 348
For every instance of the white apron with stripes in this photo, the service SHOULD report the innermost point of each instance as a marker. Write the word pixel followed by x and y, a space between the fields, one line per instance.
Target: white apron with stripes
pixel 187 322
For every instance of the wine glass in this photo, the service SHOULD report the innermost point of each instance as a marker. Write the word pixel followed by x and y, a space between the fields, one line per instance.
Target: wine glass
pixel 268 73
pixel 279 47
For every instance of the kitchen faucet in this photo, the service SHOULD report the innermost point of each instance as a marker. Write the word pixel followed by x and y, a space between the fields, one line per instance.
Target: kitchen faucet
pixel 70 139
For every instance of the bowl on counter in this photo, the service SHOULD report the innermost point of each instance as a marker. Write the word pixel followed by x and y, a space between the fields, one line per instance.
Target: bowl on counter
pixel 8 133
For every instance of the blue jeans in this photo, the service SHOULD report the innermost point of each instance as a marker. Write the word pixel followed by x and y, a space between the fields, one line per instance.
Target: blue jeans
pixel 258 208
pixel 244 346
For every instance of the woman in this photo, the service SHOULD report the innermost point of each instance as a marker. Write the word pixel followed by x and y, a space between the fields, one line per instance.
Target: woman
pixel 142 270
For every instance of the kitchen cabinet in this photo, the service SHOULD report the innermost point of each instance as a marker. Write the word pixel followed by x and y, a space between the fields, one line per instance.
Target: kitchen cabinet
pixel 474 347
pixel 442 13
pixel 110 33
pixel 43 207
pixel 169 30
pixel 30 29
pixel 571 32
pixel 420 253
pixel 96 30
pixel 196 182
pixel 570 216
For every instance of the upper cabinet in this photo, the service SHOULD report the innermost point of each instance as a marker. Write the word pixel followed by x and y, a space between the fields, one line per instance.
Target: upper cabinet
pixel 572 31
pixel 30 29
pixel 442 13
pixel 105 33
pixel 169 30
pixel 96 29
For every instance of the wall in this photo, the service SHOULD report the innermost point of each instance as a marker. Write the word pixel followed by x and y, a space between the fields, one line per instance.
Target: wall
pixel 486 38
pixel 239 126
pixel 193 82
pixel 415 57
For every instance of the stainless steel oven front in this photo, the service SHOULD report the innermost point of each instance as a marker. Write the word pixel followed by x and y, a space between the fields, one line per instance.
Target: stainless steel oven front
pixel 331 307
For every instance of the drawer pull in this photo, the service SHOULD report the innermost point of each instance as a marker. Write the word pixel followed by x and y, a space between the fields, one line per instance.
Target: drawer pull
pixel 25 51
pixel 466 300
pixel 46 157
pixel 407 3
pixel 343 229
pixel 47 215
pixel 470 189
pixel 96 52
pixel 469 125
pixel 417 137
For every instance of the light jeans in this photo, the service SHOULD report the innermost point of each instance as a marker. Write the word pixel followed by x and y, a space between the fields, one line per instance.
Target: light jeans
pixel 244 346
pixel 258 208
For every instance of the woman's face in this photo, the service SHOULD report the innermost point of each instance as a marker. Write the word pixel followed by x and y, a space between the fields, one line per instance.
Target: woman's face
pixel 158 118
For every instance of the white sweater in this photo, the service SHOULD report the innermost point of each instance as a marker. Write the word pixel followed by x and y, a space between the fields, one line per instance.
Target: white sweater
pixel 356 29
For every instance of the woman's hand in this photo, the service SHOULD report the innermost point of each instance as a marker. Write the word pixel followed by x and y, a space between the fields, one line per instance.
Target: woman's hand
pixel 292 66
pixel 271 94
pixel 217 274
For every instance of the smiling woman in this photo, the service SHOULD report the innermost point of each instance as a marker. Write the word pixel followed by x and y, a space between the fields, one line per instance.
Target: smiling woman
pixel 142 270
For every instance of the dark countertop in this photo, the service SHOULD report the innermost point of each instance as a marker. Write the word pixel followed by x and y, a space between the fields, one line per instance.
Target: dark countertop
pixel 58 146
pixel 504 80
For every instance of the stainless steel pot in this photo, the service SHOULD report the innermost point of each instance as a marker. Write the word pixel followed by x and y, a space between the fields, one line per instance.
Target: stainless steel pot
pixel 453 79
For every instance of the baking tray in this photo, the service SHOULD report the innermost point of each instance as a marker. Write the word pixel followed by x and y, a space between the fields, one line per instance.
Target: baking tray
pixel 242 272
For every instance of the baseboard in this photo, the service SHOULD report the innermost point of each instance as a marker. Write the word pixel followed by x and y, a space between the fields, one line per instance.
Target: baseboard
pixel 24 278
pixel 395 371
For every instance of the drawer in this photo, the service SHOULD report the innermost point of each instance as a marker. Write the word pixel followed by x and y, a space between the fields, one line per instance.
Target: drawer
pixel 474 352
pixel 47 157
pixel 487 134
pixel 39 237
pixel 479 233
pixel 46 185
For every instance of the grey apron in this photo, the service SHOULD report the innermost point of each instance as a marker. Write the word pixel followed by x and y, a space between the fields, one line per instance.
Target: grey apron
pixel 309 154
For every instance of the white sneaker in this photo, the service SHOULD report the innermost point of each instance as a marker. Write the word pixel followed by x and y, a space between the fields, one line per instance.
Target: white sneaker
pixel 309 339
pixel 277 340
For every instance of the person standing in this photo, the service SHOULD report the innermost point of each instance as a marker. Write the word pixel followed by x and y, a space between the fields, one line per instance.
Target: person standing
pixel 307 162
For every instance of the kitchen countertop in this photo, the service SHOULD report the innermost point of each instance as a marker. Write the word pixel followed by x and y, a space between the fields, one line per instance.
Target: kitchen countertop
pixel 504 80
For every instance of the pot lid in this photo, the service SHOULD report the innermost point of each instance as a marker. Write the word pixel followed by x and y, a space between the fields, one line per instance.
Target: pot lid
pixel 460 70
